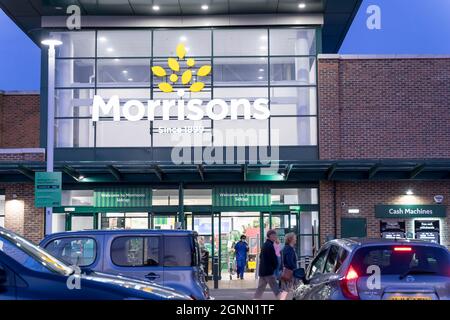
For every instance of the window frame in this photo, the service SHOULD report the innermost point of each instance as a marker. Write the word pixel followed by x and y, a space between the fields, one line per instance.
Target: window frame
pixel 323 250
pixel 96 247
pixel 160 250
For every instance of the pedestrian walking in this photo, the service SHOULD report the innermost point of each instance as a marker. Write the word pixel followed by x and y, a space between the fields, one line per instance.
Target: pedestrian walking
pixel 241 250
pixel 289 262
pixel 267 267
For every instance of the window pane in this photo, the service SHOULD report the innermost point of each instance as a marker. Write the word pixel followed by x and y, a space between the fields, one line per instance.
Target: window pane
pixel 165 197
pixel 240 42
pixel 183 67
pixel 130 43
pixel 241 132
pixel 74 102
pixel 291 42
pixel 291 101
pixel 178 251
pixel 309 222
pixel 74 133
pixel 240 71
pixel 75 44
pixel 75 251
pixel 75 73
pixel 123 133
pixel 198 197
pixel 293 71
pixel 123 72
pixel 294 196
pixel 77 197
pixel 293 131
pixel 128 251
pixel 197 42
pixel 2 221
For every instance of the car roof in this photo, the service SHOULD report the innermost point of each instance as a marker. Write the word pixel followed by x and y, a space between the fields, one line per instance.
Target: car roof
pixel 352 243
pixel 122 231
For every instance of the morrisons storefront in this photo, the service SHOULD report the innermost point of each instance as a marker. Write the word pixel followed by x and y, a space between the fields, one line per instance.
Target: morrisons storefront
pixel 228 119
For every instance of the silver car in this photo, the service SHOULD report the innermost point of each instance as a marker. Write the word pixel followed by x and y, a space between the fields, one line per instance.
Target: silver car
pixel 352 269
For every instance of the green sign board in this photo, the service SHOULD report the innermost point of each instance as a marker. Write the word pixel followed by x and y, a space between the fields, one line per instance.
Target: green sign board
pixel 47 189
pixel 241 196
pixel 410 211
pixel 123 197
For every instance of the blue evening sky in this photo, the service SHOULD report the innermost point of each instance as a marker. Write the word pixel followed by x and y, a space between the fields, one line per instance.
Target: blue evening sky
pixel 407 27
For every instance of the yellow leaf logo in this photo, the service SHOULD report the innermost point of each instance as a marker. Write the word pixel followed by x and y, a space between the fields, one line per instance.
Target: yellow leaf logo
pixel 173 64
pixel 159 71
pixel 204 71
pixel 181 51
pixel 186 77
pixel 165 87
pixel 197 86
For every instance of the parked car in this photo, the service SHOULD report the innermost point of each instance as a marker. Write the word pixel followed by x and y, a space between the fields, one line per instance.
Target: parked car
pixel 29 272
pixel 166 257
pixel 351 269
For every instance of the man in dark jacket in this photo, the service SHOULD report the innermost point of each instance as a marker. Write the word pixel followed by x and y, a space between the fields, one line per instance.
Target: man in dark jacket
pixel 267 265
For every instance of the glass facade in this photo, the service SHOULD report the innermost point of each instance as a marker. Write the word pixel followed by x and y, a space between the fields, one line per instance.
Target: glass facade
pixel 278 64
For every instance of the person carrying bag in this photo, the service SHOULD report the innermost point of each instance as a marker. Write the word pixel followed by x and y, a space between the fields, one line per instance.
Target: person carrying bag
pixel 289 262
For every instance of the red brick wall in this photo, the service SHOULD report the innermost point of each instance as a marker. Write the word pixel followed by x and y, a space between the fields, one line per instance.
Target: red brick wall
pixel 19 120
pixel 21 216
pixel 384 108
pixel 25 156
pixel 364 195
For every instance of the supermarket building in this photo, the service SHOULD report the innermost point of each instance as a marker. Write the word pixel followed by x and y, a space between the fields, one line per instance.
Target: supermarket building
pixel 361 142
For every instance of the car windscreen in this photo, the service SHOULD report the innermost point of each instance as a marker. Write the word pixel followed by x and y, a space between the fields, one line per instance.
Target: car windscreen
pixel 179 251
pixel 403 259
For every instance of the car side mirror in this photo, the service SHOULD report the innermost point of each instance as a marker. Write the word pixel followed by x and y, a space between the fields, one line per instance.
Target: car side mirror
pixel 300 274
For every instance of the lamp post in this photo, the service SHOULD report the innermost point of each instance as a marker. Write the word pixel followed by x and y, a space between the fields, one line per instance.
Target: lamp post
pixel 51 44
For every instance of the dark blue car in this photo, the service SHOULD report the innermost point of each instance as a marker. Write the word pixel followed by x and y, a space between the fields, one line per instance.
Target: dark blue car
pixel 166 257
pixel 29 272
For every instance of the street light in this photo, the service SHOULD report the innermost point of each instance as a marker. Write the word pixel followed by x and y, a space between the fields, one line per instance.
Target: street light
pixel 51 44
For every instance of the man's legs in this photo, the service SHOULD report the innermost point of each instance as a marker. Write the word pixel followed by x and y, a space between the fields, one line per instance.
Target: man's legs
pixel 262 283
pixel 240 268
pixel 273 284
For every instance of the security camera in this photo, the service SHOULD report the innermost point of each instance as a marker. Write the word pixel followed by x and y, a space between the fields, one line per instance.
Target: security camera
pixel 438 198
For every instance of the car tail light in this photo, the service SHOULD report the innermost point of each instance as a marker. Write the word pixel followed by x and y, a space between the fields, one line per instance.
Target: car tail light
pixel 402 249
pixel 349 284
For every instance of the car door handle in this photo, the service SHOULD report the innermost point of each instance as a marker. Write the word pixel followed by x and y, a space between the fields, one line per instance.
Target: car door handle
pixel 152 276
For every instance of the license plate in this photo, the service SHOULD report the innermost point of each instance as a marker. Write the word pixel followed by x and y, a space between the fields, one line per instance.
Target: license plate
pixel 409 298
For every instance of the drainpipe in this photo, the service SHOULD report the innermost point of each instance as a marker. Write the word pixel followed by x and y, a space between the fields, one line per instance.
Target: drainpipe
pixel 181 205
pixel 334 209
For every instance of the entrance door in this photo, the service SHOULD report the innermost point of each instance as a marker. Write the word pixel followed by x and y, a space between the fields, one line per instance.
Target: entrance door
pixel 353 227
pixel 232 226
pixel 82 221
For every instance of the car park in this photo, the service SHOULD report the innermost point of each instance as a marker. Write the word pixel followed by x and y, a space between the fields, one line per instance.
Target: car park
pixel 166 257
pixel 352 269
pixel 28 272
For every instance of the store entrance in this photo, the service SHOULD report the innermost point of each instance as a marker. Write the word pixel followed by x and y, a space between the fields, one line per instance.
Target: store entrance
pixel 81 221
pixel 232 226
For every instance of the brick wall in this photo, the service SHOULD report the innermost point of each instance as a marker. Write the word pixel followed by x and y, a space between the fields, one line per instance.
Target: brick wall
pixel 364 195
pixel 19 120
pixel 384 108
pixel 20 214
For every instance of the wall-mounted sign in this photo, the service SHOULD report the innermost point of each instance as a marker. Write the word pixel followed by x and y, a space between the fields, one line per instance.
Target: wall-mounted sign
pixel 427 230
pixel 409 211
pixel 47 189
pixel 241 196
pixel 123 197
pixel 392 230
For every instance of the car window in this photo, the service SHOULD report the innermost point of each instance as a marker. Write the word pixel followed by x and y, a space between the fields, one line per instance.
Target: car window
pixel 331 259
pixel 178 251
pixel 401 259
pixel 135 251
pixel 343 254
pixel 76 251
pixel 318 264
